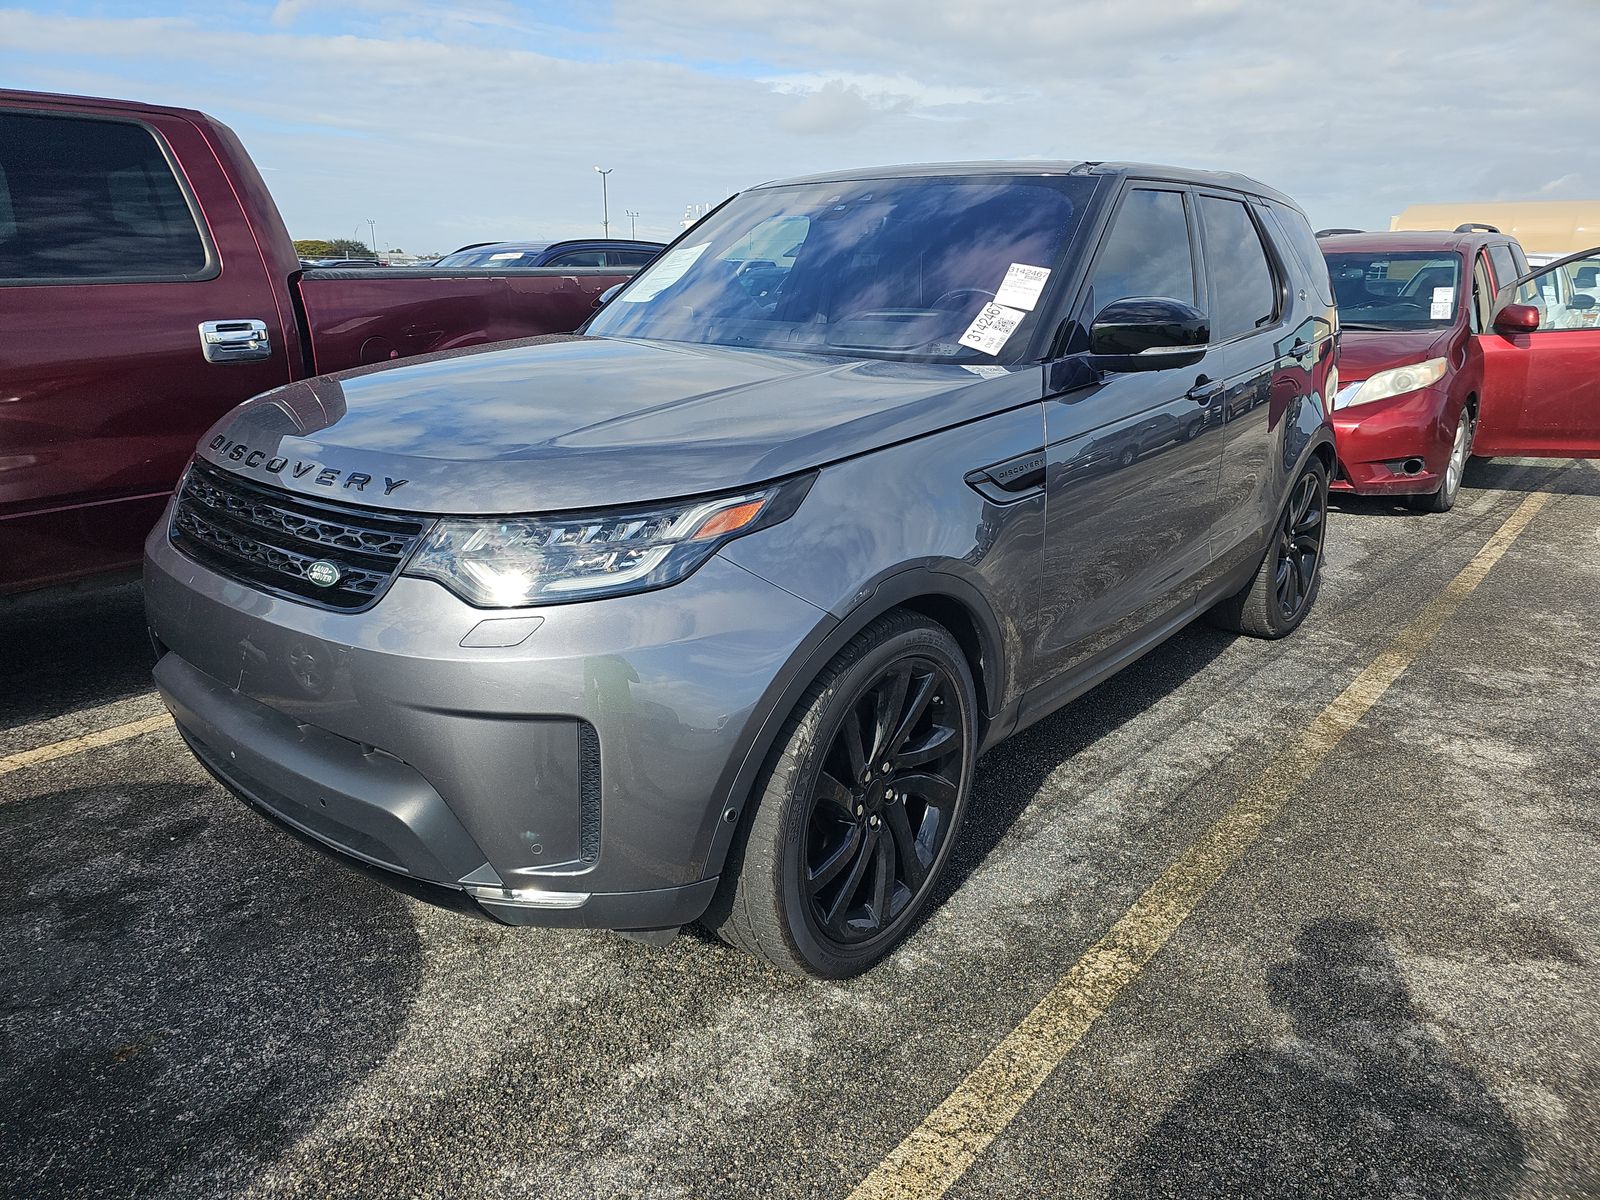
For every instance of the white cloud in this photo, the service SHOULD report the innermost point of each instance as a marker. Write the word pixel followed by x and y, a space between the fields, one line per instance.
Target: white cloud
pixel 457 122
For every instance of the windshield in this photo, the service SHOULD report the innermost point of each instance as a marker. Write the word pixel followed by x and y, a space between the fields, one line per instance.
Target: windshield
pixel 922 269
pixel 1396 291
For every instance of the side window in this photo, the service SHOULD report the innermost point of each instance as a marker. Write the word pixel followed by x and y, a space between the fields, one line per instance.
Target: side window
pixel 1244 293
pixel 579 258
pixel 628 258
pixel 1297 233
pixel 1147 252
pixel 88 199
pixel 1482 295
pixel 1505 266
pixel 1561 303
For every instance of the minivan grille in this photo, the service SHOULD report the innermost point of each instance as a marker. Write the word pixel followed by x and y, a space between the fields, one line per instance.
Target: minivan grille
pixel 270 539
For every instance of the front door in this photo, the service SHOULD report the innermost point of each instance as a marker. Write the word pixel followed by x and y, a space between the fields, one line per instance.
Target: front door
pixel 107 272
pixel 1541 388
pixel 1132 460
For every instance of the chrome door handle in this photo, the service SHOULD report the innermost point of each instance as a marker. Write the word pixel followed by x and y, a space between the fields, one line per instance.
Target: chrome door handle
pixel 241 340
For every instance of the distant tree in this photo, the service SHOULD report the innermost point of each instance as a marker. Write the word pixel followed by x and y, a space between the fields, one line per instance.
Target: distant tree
pixel 314 248
pixel 350 248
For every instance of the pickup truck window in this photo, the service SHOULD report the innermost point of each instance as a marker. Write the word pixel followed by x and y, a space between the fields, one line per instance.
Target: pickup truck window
pixel 917 269
pixel 87 199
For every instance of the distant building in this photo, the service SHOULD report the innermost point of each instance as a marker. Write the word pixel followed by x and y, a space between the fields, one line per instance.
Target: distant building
pixel 1547 227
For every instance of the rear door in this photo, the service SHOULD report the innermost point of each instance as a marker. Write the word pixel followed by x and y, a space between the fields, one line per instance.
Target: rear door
pixel 1541 389
pixel 108 272
pixel 1132 458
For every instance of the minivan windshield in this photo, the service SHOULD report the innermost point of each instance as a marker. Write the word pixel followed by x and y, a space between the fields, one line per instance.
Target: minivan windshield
pixel 1395 291
pixel 933 269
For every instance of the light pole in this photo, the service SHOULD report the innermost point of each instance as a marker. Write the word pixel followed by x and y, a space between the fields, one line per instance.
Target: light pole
pixel 605 202
pixel 372 237
pixel 633 224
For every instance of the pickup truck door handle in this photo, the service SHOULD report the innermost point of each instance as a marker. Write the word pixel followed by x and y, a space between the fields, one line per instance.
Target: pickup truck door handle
pixel 1205 391
pixel 240 340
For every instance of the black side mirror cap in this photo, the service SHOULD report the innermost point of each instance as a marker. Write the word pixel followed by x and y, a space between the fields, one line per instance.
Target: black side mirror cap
pixel 1148 333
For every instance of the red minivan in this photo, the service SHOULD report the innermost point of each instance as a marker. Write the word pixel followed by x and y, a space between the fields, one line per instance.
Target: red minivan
pixel 1452 346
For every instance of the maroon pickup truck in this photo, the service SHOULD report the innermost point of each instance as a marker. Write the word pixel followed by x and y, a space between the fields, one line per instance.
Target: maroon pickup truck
pixel 147 285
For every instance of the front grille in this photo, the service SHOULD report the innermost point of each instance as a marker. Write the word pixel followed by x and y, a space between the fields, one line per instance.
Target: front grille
pixel 269 539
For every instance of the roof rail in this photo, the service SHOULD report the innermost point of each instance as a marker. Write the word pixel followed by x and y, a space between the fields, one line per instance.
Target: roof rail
pixel 1331 232
pixel 1473 227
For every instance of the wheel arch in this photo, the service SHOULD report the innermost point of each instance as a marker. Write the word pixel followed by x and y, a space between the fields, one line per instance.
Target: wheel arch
pixel 942 597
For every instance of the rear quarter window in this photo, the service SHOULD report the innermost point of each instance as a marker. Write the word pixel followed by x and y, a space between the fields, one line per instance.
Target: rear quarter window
pixel 85 199
pixel 1290 228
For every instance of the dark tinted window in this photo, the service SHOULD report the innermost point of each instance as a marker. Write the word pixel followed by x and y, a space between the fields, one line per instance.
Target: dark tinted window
pixel 84 199
pixel 1296 231
pixel 1244 295
pixel 1505 266
pixel 579 258
pixel 628 258
pixel 1147 252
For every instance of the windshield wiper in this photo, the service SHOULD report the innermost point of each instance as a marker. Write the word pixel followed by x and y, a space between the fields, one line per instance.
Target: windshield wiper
pixel 1366 328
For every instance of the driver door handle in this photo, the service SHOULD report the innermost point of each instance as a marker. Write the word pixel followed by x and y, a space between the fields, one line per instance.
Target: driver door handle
pixel 1205 391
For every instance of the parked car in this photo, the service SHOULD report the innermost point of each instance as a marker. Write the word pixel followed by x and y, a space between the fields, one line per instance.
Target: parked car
pixel 1429 374
pixel 709 613
pixel 147 285
pixel 600 252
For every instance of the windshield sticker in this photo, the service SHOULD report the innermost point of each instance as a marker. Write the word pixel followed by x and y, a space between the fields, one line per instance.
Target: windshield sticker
pixel 992 328
pixel 1444 299
pixel 1021 286
pixel 505 254
pixel 663 273
pixel 987 370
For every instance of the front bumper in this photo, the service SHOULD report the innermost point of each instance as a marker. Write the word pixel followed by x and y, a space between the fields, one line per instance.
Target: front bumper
pixel 572 779
pixel 1376 441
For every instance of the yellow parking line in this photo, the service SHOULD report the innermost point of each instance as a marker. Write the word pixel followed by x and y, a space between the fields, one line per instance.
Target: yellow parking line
pixel 87 741
pixel 939 1150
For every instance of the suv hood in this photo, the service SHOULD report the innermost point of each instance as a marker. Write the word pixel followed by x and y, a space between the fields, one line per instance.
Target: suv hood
pixel 1362 354
pixel 569 422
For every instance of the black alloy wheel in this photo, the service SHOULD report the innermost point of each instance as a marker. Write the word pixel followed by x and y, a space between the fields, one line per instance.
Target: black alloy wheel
pixel 859 805
pixel 1299 547
pixel 884 802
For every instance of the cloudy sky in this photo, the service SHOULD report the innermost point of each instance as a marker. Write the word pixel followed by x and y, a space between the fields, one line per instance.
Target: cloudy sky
pixel 458 122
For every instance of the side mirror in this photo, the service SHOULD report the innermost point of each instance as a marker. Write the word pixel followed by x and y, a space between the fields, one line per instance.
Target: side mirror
pixel 1148 333
pixel 1517 318
pixel 604 297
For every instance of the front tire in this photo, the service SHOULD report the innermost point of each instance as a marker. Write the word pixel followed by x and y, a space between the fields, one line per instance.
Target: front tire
pixel 858 807
pixel 1277 599
pixel 1443 498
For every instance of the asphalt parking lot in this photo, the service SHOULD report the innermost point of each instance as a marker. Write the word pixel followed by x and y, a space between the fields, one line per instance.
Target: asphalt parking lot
pixel 1307 918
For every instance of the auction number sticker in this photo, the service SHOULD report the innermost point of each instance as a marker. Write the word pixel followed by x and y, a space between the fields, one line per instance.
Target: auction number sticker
pixel 663 273
pixel 1444 299
pixel 992 328
pixel 1022 286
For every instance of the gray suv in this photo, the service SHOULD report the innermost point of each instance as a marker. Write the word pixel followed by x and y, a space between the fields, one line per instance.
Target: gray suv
pixel 706 613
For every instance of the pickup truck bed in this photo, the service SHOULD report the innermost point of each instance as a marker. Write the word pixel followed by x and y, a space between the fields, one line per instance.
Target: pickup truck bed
pixel 148 285
pixel 366 316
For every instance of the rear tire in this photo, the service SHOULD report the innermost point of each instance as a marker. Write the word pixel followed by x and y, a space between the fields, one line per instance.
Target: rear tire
pixel 829 873
pixel 1277 599
pixel 1443 498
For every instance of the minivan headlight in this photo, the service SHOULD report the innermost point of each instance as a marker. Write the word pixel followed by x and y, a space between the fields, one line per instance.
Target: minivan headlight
pixel 513 562
pixel 1396 381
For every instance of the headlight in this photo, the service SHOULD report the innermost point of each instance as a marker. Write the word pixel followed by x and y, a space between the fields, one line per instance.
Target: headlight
pixel 1394 382
pixel 512 562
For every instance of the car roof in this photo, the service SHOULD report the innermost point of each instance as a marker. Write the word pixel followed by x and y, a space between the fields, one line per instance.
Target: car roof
pixel 1221 179
pixel 1438 241
pixel 534 247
